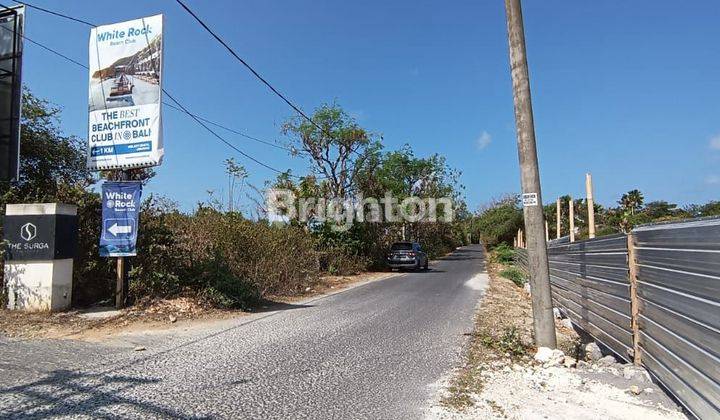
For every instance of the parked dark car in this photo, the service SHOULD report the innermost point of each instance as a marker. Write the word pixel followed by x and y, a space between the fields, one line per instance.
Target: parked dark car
pixel 407 255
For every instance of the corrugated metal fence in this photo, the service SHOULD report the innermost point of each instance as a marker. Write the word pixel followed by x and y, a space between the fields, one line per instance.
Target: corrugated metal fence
pixel 676 270
pixel 590 283
pixel 678 273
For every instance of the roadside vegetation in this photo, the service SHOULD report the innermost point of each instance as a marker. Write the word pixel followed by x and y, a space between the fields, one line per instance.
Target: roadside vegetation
pixel 228 255
pixel 222 253
pixel 497 223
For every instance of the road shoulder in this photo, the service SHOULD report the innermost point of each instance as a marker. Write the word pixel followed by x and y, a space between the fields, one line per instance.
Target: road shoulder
pixel 500 379
pixel 178 316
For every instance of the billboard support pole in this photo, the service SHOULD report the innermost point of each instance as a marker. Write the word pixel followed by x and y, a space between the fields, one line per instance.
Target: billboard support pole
pixel 120 279
pixel 120 284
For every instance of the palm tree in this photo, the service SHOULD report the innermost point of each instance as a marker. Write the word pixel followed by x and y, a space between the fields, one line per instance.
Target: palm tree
pixel 631 201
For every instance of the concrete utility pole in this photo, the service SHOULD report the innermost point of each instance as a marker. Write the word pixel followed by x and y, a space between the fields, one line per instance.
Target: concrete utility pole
pixel 543 321
pixel 590 205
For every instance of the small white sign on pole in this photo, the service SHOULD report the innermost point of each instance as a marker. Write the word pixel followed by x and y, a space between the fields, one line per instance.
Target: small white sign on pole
pixel 529 199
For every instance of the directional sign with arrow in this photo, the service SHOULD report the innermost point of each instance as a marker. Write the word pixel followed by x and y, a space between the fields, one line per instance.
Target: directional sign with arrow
pixel 121 205
pixel 116 229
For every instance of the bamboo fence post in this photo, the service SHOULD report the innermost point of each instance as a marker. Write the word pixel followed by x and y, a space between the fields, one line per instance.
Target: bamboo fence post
pixel 547 232
pixel 590 205
pixel 558 220
pixel 571 208
pixel 634 303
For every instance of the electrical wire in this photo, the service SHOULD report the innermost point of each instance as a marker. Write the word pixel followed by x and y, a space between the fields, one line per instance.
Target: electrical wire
pixel 56 13
pixel 200 120
pixel 248 66
pixel 178 106
pixel 257 75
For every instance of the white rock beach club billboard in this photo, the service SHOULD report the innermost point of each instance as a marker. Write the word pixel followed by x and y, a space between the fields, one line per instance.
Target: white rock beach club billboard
pixel 125 127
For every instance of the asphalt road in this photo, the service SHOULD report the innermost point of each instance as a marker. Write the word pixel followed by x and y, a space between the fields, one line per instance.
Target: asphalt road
pixel 373 352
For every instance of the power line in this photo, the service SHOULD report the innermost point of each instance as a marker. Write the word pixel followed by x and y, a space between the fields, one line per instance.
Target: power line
pixel 262 79
pixel 56 13
pixel 239 133
pixel 178 106
pixel 248 66
pixel 219 137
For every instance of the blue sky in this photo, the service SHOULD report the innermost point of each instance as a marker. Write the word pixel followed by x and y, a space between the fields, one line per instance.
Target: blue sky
pixel 627 90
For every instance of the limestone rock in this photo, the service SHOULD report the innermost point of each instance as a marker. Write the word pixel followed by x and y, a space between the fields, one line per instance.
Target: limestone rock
pixel 593 352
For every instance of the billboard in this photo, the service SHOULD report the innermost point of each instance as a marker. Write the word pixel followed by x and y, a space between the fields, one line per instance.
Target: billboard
pixel 125 126
pixel 11 33
pixel 120 211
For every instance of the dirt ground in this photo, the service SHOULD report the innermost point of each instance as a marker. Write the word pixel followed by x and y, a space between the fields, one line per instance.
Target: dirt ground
pixel 500 379
pixel 101 323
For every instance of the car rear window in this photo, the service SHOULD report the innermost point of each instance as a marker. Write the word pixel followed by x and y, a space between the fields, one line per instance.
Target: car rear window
pixel 401 246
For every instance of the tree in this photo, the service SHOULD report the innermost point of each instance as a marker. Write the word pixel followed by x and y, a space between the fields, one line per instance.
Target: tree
pixel 662 210
pixel 53 169
pixel 236 177
pixel 337 146
pixel 711 208
pixel 499 221
pixel 632 201
pixel 50 162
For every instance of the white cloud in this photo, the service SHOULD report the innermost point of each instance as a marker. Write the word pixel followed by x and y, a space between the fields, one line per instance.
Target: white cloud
pixel 715 142
pixel 712 180
pixel 484 140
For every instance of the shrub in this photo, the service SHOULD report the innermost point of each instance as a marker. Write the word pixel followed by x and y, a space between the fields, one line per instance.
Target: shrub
pixel 155 271
pixel 499 222
pixel 272 260
pixel 514 275
pixel 503 254
pixel 227 291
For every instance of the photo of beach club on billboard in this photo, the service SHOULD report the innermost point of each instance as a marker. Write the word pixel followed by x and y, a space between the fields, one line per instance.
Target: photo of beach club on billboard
pixel 126 68
pixel 125 95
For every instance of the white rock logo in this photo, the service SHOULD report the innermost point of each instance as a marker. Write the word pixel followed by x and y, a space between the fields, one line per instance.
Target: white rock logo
pixel 28 231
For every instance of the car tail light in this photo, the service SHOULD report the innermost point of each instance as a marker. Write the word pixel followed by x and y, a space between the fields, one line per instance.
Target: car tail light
pixel 412 254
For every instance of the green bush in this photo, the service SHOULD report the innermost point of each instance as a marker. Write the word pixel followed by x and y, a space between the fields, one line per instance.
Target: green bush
pixel 226 291
pixel 273 260
pixel 509 342
pixel 156 270
pixel 503 254
pixel 499 222
pixel 514 275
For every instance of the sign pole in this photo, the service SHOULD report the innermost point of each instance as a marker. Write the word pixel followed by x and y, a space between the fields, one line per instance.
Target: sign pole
pixel 120 279
pixel 120 285
pixel 543 320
